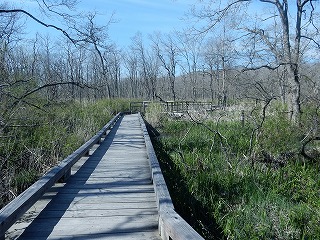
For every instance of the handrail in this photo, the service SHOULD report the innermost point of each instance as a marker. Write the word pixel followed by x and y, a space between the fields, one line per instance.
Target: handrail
pixel 134 106
pixel 171 224
pixel 175 106
pixel 17 207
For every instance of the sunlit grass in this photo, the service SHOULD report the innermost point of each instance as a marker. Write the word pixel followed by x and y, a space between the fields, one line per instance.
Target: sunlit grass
pixel 249 197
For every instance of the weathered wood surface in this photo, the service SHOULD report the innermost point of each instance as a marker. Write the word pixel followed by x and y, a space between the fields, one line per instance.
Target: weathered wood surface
pixel 110 196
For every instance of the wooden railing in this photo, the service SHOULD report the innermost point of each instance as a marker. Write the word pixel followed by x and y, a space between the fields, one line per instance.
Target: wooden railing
pixel 17 207
pixel 171 224
pixel 136 107
pixel 175 106
pixel 183 106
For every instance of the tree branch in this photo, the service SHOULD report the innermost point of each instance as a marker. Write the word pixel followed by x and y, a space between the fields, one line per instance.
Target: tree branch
pixel 311 39
pixel 74 41
pixel 256 131
pixel 50 85
pixel 265 66
pixel 21 98
pixel 24 101
pixel 217 16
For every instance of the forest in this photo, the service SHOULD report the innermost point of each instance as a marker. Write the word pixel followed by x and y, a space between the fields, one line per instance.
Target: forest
pixel 249 170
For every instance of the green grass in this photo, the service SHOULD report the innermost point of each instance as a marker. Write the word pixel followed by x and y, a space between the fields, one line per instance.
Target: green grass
pixel 39 139
pixel 247 196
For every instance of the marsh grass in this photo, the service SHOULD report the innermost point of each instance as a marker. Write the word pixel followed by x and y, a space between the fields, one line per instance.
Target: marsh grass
pixel 271 194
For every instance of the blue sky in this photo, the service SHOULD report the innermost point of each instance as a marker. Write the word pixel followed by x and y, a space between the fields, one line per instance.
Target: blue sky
pixel 145 16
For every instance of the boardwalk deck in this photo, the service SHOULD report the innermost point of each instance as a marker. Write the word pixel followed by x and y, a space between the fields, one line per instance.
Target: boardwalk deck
pixel 110 196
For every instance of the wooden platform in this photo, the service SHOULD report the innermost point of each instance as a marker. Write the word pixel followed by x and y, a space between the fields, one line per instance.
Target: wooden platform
pixel 109 195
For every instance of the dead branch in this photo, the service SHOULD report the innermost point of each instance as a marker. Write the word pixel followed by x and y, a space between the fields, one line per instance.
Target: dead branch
pixel 223 140
pixel 74 41
pixel 267 67
pixel 24 96
pixel 221 137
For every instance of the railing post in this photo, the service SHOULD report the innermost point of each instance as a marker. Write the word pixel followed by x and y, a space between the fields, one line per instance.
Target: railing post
pixel 144 107
pixel 65 177
pixel 242 118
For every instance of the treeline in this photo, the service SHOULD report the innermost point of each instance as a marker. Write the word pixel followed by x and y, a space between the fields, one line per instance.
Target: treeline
pixel 59 70
pixel 231 62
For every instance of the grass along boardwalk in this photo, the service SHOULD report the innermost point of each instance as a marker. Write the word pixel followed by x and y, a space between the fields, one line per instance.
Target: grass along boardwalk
pixel 110 194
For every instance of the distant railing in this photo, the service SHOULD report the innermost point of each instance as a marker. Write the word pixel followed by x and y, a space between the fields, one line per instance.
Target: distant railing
pixel 17 207
pixel 136 107
pixel 184 106
pixel 175 106
pixel 171 224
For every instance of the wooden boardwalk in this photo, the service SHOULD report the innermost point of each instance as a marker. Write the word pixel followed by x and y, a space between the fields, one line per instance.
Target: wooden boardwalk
pixel 108 196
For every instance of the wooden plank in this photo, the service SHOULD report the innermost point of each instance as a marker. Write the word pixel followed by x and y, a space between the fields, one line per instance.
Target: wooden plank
pixel 107 214
pixel 74 227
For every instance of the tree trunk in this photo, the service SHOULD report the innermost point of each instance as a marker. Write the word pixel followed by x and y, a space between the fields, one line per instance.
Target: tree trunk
pixel 294 92
pixel 291 59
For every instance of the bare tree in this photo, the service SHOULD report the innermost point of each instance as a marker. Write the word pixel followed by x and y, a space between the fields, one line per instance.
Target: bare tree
pixel 148 66
pixel 190 51
pixel 131 65
pixel 286 47
pixel 218 58
pixel 97 36
pixel 167 52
